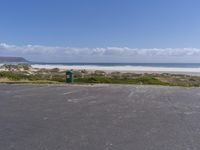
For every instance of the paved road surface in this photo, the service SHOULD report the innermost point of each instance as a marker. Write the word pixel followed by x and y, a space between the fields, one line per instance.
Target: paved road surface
pixel 99 117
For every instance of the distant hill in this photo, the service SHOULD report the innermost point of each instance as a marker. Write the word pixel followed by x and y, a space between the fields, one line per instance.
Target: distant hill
pixel 12 59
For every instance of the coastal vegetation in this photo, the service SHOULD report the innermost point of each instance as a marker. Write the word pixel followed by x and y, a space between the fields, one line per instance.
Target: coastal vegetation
pixel 24 73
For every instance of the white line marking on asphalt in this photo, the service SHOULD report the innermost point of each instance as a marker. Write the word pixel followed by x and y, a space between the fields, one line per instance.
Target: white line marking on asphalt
pixel 131 94
pixel 67 93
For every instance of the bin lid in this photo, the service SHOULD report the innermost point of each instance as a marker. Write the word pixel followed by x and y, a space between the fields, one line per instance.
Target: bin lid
pixel 69 71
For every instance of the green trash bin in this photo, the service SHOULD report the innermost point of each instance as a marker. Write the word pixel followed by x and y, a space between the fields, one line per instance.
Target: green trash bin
pixel 69 76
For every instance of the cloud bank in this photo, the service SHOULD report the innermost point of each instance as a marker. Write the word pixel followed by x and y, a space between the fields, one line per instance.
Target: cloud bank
pixel 107 51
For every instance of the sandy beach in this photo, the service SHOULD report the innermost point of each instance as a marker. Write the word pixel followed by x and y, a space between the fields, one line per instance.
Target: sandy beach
pixel 122 69
pixel 135 69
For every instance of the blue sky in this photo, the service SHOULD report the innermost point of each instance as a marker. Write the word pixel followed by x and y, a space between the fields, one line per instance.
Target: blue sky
pixel 101 30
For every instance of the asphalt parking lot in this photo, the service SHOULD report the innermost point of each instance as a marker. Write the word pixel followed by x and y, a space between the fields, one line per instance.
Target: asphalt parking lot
pixel 99 117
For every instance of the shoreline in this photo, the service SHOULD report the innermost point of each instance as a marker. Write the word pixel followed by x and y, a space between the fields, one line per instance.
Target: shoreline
pixel 96 74
pixel 124 69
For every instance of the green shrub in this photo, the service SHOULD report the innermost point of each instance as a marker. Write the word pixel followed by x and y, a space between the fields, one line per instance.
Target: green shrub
pixel 55 70
pixel 11 75
pixel 99 73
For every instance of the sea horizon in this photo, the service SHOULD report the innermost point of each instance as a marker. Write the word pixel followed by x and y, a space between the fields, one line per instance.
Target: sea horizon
pixel 107 64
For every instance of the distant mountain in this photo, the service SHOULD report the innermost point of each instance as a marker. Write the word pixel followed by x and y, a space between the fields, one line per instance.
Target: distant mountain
pixel 12 59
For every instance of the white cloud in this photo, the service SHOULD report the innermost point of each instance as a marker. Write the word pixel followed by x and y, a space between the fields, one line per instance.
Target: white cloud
pixel 108 51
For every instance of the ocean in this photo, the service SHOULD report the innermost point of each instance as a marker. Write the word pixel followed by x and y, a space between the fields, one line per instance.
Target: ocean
pixel 167 65
pixel 192 68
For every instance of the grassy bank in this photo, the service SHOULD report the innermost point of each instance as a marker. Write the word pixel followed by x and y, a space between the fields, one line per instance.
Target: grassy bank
pixel 10 77
pixel 26 74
